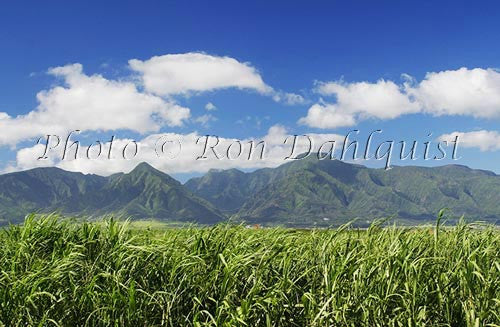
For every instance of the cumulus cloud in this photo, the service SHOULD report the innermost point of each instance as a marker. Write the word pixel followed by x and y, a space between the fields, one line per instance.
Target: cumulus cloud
pixel 95 103
pixel 382 99
pixel 210 107
pixel 196 72
pixel 91 103
pixel 468 92
pixel 27 158
pixel 355 101
pixel 483 139
pixel 323 115
pixel 162 152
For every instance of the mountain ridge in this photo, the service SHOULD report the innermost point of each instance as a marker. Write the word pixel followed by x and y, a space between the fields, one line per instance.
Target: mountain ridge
pixel 299 193
pixel 144 192
pixel 326 191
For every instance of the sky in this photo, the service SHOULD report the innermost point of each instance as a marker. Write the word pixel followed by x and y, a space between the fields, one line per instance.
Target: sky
pixel 167 73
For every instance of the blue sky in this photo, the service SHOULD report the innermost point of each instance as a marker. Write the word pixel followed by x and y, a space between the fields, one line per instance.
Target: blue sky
pixel 294 47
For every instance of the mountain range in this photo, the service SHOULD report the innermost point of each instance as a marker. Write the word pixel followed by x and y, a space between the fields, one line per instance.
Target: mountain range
pixel 301 193
pixel 143 193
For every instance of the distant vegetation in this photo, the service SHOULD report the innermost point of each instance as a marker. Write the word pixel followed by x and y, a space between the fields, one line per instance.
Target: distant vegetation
pixel 61 273
pixel 302 193
pixel 326 192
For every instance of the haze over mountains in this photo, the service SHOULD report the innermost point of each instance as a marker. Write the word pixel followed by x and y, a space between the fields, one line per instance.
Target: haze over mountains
pixel 301 193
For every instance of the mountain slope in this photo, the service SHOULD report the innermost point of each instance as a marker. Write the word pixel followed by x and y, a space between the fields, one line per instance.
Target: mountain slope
pixel 143 193
pixel 227 189
pixel 45 189
pixel 300 193
pixel 230 189
pixel 329 191
pixel 147 192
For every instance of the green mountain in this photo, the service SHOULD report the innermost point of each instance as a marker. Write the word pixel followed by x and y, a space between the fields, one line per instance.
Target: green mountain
pixel 312 191
pixel 143 193
pixel 147 192
pixel 229 189
pixel 47 189
pixel 300 193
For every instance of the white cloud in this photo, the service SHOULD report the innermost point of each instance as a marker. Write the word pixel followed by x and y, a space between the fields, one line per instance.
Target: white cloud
pixel 90 103
pixel 196 72
pixel 205 120
pixel 210 107
pixel 185 161
pixel 95 103
pixel 363 100
pixel 290 99
pixel 483 140
pixel 323 115
pixel 468 92
pixel 382 99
